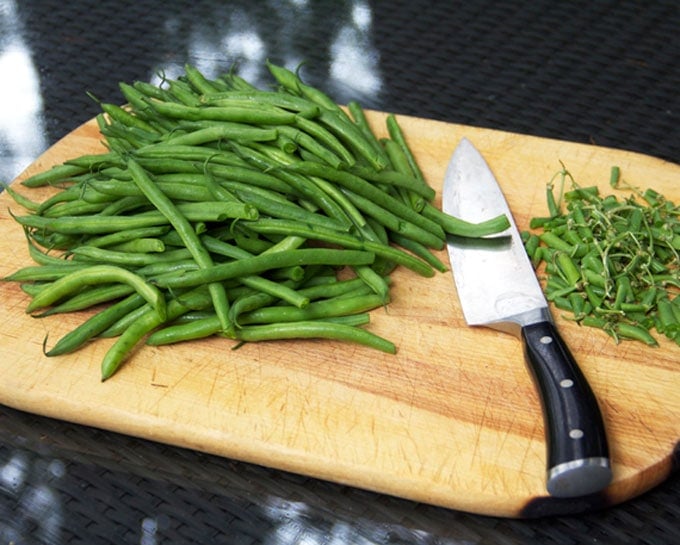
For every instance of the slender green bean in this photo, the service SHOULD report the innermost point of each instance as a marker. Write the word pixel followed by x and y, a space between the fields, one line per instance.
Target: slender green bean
pixel 42 273
pixel 303 107
pixel 101 224
pixel 223 131
pixel 314 330
pixel 89 298
pixel 94 325
pixel 284 227
pixel 98 274
pixel 266 262
pixel 257 115
pixel 458 227
pixel 54 175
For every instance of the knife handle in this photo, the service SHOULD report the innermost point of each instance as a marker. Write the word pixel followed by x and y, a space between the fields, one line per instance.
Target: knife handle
pixel 578 455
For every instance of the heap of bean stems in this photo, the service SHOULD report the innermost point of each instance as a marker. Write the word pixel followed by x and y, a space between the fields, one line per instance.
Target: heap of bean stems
pixel 609 262
pixel 219 208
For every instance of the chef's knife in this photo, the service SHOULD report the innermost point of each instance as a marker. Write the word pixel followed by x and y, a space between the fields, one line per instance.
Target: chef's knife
pixel 498 288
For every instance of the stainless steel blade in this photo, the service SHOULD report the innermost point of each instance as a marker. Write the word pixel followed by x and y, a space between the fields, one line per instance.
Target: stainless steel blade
pixel 496 284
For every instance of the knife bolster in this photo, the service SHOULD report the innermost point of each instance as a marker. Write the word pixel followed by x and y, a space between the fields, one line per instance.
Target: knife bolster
pixel 579 477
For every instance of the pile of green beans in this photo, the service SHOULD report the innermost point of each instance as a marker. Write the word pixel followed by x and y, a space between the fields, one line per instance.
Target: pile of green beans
pixel 222 209
pixel 609 262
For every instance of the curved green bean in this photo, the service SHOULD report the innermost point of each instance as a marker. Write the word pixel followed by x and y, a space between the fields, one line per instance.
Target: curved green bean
pixel 98 274
pixel 94 325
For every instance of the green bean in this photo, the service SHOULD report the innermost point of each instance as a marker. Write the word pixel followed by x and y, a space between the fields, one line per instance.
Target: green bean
pixel 346 131
pixel 101 224
pixel 89 298
pixel 20 199
pixel 338 306
pixel 121 237
pixel 98 274
pixel 74 208
pixel 555 242
pixel 458 227
pixel 333 288
pixel 595 278
pixel 202 154
pixel 397 135
pixel 123 116
pixel 303 107
pixel 175 333
pixel 96 161
pixel 568 268
pixel 69 194
pixel 400 163
pixel 631 331
pixel 257 115
pixel 41 273
pixel 224 130
pixel 94 325
pixel 54 175
pixel 374 281
pixel 198 81
pixel 272 226
pixel 151 91
pixel 251 301
pixel 137 101
pixel 311 330
pixel 275 289
pixel 181 93
pixel 140 245
pixel 420 250
pixel 360 120
pixel 293 83
pixel 667 320
pixel 123 346
pixel 176 190
pixel 125 258
pixel 265 262
pixel 577 302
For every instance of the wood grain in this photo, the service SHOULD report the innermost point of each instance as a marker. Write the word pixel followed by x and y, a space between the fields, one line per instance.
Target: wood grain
pixel 451 420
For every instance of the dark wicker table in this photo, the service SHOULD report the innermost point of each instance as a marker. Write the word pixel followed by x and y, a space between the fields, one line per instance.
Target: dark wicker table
pixel 605 72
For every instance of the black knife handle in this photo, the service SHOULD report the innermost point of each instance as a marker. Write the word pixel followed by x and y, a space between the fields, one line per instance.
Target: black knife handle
pixel 578 455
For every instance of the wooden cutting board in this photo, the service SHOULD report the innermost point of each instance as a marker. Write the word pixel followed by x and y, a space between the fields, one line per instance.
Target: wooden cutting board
pixel 451 420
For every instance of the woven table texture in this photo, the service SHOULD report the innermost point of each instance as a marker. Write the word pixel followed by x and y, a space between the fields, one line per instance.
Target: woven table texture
pixel 605 72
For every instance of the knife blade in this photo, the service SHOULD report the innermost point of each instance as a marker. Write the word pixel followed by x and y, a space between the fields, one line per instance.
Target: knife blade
pixel 498 288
